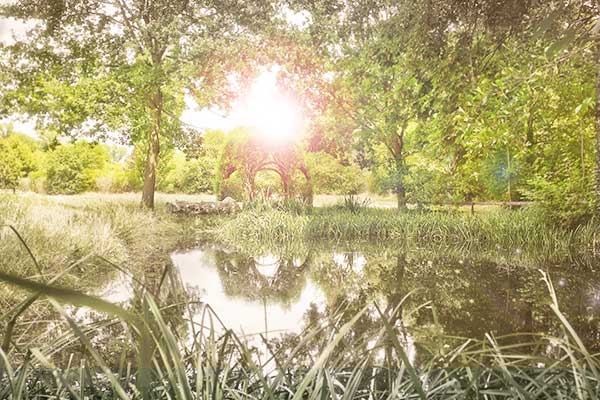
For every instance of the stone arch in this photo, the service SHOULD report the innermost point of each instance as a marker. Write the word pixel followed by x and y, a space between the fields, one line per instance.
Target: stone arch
pixel 248 156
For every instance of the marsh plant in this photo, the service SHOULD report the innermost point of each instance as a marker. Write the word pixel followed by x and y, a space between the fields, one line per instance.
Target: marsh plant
pixel 527 228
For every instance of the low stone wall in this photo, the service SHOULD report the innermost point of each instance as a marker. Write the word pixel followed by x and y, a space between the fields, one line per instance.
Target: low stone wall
pixel 228 205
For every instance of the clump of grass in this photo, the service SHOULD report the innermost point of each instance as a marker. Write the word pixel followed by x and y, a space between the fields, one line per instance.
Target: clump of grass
pixel 293 205
pixel 504 228
pixel 354 204
pixel 263 226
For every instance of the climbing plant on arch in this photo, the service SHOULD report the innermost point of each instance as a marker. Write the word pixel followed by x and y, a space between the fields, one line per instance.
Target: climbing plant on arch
pixel 248 154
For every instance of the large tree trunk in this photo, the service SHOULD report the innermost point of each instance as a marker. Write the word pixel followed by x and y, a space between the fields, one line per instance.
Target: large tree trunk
pixel 156 103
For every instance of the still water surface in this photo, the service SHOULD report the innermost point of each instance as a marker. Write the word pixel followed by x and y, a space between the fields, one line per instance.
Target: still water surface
pixel 467 292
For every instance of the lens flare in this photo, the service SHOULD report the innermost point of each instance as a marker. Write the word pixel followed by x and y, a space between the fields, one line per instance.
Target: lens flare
pixel 272 114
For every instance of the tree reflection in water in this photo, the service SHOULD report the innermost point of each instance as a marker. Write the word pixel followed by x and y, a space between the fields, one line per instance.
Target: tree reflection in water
pixel 430 294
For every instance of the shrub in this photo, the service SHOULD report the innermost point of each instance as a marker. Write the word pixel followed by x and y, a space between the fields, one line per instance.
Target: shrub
pixel 197 176
pixel 564 196
pixel 16 159
pixel 73 168
pixel 113 179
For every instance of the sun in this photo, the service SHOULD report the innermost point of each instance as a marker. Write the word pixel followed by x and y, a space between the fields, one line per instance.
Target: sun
pixel 275 116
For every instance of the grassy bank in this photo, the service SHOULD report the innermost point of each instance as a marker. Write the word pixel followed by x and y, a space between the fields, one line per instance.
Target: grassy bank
pixel 522 228
pixel 78 242
pixel 60 230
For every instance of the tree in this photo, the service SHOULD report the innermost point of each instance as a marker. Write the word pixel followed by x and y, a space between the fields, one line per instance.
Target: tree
pixel 379 84
pixel 121 65
pixel 11 167
pixel 329 176
pixel 428 62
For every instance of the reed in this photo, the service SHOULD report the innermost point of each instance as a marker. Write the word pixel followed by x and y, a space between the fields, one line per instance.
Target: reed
pixel 519 228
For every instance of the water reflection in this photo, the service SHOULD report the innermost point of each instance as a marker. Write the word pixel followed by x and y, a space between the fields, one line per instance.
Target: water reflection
pixel 467 293
pixel 252 295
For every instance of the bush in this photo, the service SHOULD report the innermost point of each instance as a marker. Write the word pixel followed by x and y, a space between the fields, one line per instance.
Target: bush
pixel 113 179
pixel 73 168
pixel 16 159
pixel 197 177
pixel 564 199
pixel 185 175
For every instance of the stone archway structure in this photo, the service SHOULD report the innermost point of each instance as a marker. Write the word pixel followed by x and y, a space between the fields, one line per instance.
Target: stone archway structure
pixel 248 155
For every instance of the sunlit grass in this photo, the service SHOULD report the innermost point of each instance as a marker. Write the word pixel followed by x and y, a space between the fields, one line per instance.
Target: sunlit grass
pixel 79 242
pixel 520 228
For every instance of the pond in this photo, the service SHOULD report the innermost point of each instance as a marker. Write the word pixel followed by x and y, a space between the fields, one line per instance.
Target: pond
pixel 444 291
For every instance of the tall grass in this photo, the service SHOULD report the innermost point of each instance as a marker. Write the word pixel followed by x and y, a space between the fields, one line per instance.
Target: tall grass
pixel 63 229
pixel 80 242
pixel 505 228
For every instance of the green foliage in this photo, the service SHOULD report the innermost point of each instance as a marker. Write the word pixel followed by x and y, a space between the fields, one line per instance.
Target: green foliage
pixel 564 198
pixel 184 175
pixel 113 178
pixel 11 168
pixel 193 171
pixel 232 187
pixel 73 168
pixel 16 159
pixel 197 176
pixel 329 176
pixel 485 110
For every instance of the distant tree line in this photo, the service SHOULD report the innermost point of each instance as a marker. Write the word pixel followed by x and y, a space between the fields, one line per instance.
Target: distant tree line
pixel 81 166
pixel 28 164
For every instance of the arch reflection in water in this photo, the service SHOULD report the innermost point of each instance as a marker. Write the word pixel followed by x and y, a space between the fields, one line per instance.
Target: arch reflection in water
pixel 248 293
